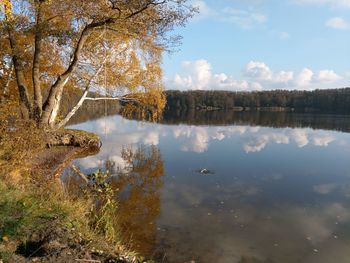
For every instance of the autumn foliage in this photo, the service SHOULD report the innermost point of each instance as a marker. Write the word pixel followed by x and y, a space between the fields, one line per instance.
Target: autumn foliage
pixel 113 47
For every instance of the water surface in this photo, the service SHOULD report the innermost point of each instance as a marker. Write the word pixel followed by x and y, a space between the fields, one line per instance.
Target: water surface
pixel 277 190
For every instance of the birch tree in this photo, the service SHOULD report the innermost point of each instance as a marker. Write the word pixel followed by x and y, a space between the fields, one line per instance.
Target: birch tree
pixel 113 47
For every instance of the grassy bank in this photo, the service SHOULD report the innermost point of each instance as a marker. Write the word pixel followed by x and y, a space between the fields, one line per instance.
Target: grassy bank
pixel 39 220
pixel 47 225
pixel 28 212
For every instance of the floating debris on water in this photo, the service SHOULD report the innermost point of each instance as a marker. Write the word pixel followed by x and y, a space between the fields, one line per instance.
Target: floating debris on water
pixel 204 171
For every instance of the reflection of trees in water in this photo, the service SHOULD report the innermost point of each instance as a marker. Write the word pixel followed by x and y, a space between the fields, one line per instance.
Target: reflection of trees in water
pixel 92 111
pixel 139 197
pixel 269 119
pixel 136 185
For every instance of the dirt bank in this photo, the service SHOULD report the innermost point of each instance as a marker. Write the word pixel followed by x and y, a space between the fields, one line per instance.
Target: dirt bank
pixel 39 222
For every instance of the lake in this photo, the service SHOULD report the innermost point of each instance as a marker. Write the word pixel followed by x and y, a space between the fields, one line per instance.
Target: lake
pixel 230 187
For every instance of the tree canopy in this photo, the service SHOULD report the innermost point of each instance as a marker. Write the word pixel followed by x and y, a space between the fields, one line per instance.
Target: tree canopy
pixel 113 47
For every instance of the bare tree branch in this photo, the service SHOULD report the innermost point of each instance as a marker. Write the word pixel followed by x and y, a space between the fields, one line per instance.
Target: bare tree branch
pixel 51 105
pixel 82 99
pixel 78 172
pixel 146 6
pixel 104 98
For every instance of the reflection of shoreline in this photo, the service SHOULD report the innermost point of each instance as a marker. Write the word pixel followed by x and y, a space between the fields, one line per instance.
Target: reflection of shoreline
pixel 210 218
pixel 95 110
pixel 266 119
pixel 121 132
pixel 90 112
pixel 136 187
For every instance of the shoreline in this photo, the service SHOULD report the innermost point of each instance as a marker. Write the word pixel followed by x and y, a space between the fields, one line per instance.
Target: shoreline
pixel 53 226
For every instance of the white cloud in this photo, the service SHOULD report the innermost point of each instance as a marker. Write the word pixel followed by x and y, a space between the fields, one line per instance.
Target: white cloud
pixel 253 147
pixel 119 162
pixel 307 77
pixel 323 140
pixel 300 137
pixel 258 70
pixel 204 10
pixel 151 138
pixel 194 139
pixel 337 23
pixel 256 142
pixel 327 76
pixel 253 139
pixel 304 78
pixel 284 35
pixel 259 142
pixel 106 126
pixel 333 3
pixel 198 75
pixel 324 188
pixel 244 19
pixel 284 76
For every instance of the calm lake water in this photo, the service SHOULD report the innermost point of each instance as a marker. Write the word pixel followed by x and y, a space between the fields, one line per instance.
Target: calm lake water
pixel 277 187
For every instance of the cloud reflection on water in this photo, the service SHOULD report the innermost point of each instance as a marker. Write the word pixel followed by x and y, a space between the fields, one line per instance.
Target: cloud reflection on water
pixel 262 218
pixel 196 139
pixel 232 229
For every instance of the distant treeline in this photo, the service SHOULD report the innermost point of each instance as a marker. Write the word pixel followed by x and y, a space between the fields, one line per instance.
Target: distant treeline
pixel 329 101
pixel 92 110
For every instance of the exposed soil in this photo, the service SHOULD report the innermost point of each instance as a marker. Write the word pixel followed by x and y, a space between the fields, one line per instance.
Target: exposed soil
pixel 61 148
pixel 56 243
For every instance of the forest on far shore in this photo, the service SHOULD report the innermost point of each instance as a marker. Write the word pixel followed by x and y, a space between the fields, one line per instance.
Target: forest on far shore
pixel 328 100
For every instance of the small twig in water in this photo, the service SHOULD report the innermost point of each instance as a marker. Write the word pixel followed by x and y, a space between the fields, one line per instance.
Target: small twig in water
pixel 78 172
pixel 164 256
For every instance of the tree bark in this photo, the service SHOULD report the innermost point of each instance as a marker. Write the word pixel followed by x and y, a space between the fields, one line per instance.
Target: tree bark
pixel 25 104
pixel 81 100
pixel 73 111
pixel 38 100
pixel 106 98
pixel 6 87
pixel 52 103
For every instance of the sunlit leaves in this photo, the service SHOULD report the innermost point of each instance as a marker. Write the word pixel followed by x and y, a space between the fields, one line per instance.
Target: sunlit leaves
pixel 120 53
pixel 6 7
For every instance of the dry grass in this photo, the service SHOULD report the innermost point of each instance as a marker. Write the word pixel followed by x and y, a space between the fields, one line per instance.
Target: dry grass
pixel 29 206
pixel 18 141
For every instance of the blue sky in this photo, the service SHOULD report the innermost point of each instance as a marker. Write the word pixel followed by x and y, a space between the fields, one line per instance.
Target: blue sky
pixel 263 44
